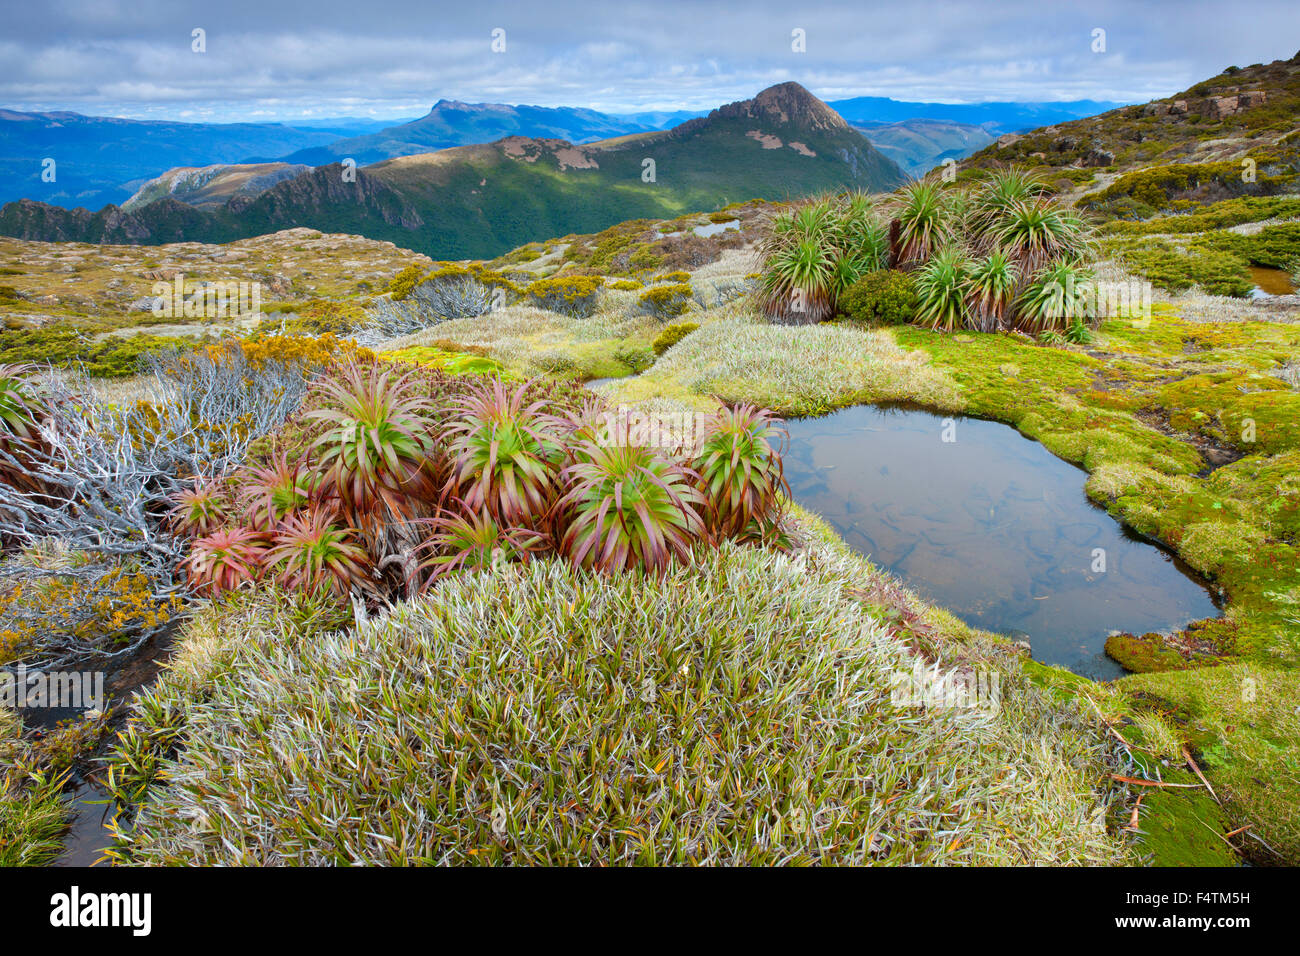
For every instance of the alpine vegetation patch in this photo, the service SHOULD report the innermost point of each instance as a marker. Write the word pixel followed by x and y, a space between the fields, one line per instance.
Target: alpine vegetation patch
pixel 206 300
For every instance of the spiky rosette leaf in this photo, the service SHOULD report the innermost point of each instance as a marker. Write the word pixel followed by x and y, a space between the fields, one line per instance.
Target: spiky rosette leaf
pixel 990 292
pixel 797 280
pixel 270 494
pixel 740 468
pixel 940 291
pixel 225 560
pixel 466 540
pixel 992 200
pixel 922 217
pixel 1036 232
pixel 505 453
pixel 22 403
pixel 1056 300
pixel 628 507
pixel 312 553
pixel 200 509
pixel 24 406
pixel 589 422
pixel 377 449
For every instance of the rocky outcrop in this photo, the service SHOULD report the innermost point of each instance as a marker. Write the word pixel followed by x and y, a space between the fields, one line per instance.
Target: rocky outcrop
pixel 1097 156
pixel 326 190
pixel 787 104
pixel 1212 107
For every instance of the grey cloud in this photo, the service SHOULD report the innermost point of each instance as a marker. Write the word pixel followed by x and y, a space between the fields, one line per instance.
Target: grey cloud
pixel 394 58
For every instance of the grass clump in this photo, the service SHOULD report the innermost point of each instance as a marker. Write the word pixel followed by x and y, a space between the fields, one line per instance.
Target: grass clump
pixel 793 370
pixel 33 814
pixel 733 711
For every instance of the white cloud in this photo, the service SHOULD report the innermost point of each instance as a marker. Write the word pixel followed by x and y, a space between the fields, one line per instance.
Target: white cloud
pixel 382 57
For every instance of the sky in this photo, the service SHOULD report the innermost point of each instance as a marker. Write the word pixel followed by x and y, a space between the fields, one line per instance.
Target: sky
pixel 385 59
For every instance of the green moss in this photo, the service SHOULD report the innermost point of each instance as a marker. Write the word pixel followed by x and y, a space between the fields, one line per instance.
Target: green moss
pixel 1141 655
pixel 1245 735
pixel 457 363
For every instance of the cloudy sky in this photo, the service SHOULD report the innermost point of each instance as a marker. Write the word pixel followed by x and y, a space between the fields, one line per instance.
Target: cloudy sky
pixel 383 58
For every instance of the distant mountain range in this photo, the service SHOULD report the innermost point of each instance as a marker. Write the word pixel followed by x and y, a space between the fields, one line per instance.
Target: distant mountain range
pixel 100 160
pixel 452 123
pixel 481 200
pixel 994 117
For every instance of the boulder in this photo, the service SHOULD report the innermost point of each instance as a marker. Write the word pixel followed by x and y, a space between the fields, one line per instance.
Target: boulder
pixel 1098 157
pixel 1217 107
pixel 145 304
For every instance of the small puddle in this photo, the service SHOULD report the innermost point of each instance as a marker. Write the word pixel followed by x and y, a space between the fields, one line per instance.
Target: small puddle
pixel 1270 282
pixel 713 228
pixel 87 836
pixel 991 526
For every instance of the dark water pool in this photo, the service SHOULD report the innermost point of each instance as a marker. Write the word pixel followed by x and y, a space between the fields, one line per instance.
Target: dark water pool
pixel 991 526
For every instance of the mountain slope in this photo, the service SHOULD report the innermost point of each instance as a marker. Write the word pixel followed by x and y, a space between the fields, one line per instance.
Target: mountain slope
pixel 917 146
pixel 212 185
pixel 479 201
pixel 1219 119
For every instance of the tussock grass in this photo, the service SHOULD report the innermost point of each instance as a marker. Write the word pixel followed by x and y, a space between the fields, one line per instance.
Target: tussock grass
pixel 33 815
pixel 535 341
pixel 735 710
pixel 804 370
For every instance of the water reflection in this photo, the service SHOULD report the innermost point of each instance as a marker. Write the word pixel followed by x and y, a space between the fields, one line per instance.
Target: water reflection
pixel 991 526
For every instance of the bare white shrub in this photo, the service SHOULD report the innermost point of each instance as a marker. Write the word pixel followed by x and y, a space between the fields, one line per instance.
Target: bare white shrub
pixel 102 476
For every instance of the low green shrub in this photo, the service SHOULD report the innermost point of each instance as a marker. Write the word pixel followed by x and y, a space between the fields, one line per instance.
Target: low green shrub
pixel 64 345
pixel 883 297
pixel 569 295
pixel 665 301
pixel 636 357
pixel 401 284
pixel 1168 267
pixel 672 334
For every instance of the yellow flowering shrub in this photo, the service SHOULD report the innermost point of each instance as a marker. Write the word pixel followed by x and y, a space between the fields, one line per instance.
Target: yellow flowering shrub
pixel 59 607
